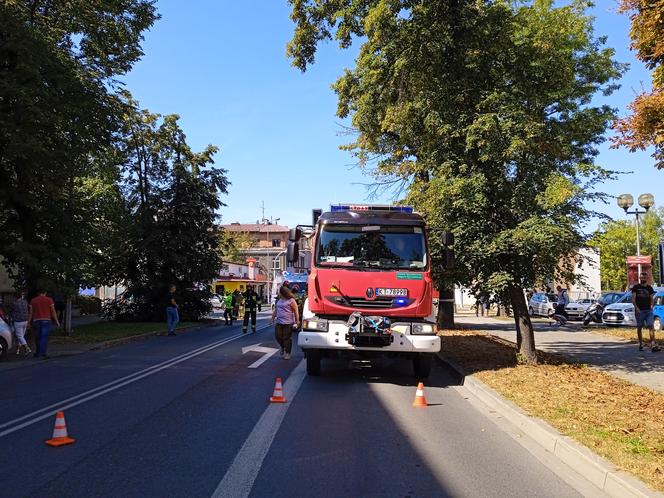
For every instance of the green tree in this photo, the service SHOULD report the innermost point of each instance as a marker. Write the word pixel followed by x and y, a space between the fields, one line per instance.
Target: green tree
pixel 482 113
pixel 616 240
pixel 233 244
pixel 58 61
pixel 171 197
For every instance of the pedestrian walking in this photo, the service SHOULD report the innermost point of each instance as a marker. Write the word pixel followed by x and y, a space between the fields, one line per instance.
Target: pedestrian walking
pixel 643 299
pixel 41 317
pixel 172 313
pixel 560 315
pixel 228 308
pixel 20 313
pixel 250 305
pixel 287 317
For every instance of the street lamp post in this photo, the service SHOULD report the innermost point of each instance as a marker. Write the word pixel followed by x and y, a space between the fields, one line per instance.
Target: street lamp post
pixel 646 201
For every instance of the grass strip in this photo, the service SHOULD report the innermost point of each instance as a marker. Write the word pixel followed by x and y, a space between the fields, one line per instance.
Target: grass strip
pixel 106 331
pixel 618 420
pixel 628 333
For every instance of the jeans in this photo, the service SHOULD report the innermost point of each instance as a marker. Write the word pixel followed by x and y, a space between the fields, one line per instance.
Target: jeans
pixel 19 330
pixel 42 331
pixel 645 318
pixel 172 318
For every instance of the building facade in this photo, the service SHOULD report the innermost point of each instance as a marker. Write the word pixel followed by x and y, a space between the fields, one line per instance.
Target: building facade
pixel 269 251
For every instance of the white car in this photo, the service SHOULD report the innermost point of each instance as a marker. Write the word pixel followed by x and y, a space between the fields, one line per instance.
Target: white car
pixel 621 312
pixel 542 304
pixel 6 338
pixel 577 309
pixel 217 302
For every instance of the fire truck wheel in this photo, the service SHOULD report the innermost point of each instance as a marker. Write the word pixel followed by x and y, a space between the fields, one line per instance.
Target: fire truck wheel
pixel 313 362
pixel 422 365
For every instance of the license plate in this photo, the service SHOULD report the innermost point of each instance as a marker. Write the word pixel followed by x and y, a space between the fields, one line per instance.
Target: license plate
pixel 387 292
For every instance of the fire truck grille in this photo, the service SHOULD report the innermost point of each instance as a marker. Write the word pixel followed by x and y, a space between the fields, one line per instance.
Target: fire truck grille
pixel 359 302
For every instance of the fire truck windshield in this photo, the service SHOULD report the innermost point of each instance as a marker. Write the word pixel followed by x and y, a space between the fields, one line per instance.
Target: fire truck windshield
pixel 384 247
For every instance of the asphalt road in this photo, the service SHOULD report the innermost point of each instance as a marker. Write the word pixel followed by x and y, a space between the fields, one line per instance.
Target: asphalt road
pixel 185 416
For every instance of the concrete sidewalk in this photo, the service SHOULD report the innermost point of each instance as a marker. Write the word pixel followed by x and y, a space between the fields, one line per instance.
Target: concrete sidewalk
pixel 613 355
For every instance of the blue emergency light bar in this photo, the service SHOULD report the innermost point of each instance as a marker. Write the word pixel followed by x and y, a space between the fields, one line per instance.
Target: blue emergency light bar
pixel 336 208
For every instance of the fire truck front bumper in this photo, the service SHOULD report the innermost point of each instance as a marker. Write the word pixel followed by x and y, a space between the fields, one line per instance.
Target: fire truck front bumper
pixel 337 336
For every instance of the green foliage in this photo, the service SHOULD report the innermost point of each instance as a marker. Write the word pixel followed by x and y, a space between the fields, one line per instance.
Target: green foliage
pixel 167 234
pixel 232 245
pixel 616 240
pixel 482 113
pixel 57 61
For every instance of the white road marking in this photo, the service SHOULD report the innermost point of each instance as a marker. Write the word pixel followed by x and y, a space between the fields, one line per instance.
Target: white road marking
pixel 269 352
pixel 241 475
pixel 50 410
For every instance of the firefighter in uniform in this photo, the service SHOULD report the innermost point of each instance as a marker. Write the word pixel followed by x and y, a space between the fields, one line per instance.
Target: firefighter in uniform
pixel 250 304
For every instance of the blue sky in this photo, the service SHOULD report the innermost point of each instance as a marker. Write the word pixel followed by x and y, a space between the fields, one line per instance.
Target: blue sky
pixel 221 66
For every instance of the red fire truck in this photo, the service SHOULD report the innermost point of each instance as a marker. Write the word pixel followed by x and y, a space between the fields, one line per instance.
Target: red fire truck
pixel 370 288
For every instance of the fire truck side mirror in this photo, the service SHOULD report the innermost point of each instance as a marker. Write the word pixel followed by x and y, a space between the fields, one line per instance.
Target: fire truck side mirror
pixel 448 239
pixel 294 234
pixel 292 252
pixel 449 260
pixel 315 214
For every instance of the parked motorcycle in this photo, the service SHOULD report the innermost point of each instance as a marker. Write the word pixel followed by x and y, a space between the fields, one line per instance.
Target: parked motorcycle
pixel 594 313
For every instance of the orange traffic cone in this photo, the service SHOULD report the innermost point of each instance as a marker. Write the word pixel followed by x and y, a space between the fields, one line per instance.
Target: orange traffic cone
pixel 278 394
pixel 60 437
pixel 420 400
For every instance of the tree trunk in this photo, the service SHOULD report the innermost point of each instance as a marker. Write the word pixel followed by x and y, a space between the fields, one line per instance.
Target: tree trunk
pixel 525 338
pixel 67 317
pixel 445 318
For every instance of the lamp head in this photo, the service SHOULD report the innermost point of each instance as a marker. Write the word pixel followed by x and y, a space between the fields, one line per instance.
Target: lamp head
pixel 646 201
pixel 625 201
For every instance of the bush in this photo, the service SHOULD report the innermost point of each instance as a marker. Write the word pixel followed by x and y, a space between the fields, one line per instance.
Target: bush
pixel 89 305
pixel 193 305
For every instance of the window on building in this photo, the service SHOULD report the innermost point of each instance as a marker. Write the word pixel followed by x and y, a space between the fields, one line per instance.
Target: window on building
pixel 276 242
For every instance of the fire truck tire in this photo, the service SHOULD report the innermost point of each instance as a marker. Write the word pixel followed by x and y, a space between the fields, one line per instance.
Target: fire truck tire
pixel 422 365
pixel 313 362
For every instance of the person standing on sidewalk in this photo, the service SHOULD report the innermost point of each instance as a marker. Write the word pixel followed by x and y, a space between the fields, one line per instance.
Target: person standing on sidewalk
pixel 20 313
pixel 41 317
pixel 172 315
pixel 643 299
pixel 250 305
pixel 287 316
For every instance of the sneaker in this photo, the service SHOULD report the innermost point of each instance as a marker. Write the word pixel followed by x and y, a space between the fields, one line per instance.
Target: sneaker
pixel 655 349
pixel 287 356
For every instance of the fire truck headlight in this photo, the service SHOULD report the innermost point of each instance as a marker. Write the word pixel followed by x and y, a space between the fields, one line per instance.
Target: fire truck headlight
pixel 315 324
pixel 399 329
pixel 422 328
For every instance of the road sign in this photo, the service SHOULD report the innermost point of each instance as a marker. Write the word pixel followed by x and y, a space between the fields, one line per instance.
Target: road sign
pixel 267 354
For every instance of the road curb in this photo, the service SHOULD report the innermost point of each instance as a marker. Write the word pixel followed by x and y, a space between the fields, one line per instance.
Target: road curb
pixel 597 470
